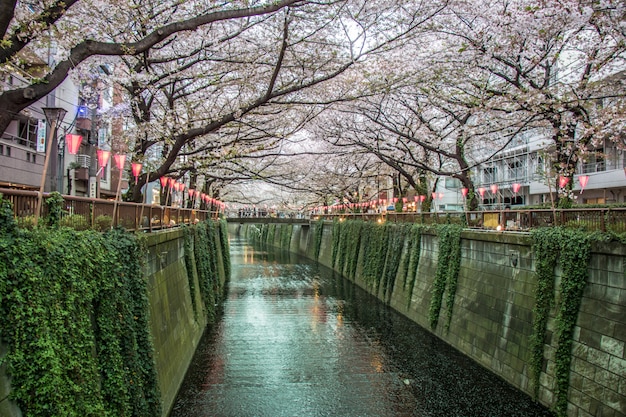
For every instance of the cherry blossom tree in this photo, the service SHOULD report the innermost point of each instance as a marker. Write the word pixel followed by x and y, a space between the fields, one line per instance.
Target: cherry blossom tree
pixel 253 84
pixel 546 59
pixel 78 31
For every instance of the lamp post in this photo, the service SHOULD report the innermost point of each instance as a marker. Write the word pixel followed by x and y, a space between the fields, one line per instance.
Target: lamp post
pixel 54 117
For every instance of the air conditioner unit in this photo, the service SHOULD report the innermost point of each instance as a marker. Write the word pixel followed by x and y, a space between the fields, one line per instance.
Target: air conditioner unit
pixel 83 160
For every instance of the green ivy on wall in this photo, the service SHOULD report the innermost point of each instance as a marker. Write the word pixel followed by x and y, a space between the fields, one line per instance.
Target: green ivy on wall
pixel 446 277
pixel 317 243
pixel 223 227
pixel 412 258
pixel 189 233
pixel 285 235
pixel 74 315
pixel 352 247
pixel 396 236
pixel 573 249
pixel 374 254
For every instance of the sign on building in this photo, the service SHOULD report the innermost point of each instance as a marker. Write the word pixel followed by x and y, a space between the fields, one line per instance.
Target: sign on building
pixel 41 136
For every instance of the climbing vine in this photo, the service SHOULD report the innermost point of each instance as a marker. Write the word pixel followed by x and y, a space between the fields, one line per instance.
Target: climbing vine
pixel 337 226
pixel 353 246
pixel 374 254
pixel 413 258
pixel 285 235
pixel 573 249
pixel 448 266
pixel 74 316
pixel 223 228
pixel 188 238
pixel 546 243
pixel 317 245
pixel 396 236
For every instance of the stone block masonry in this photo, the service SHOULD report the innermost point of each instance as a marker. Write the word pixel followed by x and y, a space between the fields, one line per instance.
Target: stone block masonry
pixel 493 311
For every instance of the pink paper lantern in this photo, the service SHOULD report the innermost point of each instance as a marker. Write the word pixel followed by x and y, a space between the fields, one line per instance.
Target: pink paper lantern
pixel 103 157
pixel 494 188
pixel 136 168
pixel 164 181
pixel 583 180
pixel 563 181
pixel 516 187
pixel 464 191
pixel 481 191
pixel 422 198
pixel 73 143
pixel 120 159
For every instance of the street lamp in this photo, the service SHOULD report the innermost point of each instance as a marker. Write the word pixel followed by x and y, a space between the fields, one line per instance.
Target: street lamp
pixel 54 117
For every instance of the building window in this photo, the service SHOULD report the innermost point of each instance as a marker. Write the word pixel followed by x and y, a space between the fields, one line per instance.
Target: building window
pixel 34 158
pixel 27 156
pixel 27 134
pixel 1 149
pixel 7 151
pixel 489 175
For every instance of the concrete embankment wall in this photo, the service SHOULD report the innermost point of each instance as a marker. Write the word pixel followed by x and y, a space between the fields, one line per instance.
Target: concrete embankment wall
pixel 176 329
pixel 492 315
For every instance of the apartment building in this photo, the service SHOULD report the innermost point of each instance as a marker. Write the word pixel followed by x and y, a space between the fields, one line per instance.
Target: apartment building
pixel 23 144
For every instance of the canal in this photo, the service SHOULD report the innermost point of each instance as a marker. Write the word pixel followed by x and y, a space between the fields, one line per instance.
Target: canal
pixel 295 339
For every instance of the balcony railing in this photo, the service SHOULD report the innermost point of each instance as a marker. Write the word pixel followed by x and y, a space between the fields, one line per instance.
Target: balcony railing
pixel 90 213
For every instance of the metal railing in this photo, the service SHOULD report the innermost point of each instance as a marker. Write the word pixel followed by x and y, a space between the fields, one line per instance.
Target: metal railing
pixel 590 219
pixel 89 213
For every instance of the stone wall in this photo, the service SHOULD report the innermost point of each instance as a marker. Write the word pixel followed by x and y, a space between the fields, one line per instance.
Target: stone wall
pixel 176 329
pixel 492 319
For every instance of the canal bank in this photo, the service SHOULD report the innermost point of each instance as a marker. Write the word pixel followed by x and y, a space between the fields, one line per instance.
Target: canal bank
pixel 492 311
pixel 297 339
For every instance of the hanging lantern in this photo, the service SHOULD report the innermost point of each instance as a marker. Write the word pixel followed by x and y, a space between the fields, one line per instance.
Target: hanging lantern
pixel 422 198
pixel 163 182
pixel 191 191
pixel 119 160
pixel 516 187
pixel 494 188
pixel 73 143
pixel 416 198
pixel 171 182
pixel 563 181
pixel 481 191
pixel 404 199
pixel 464 191
pixel 441 196
pixel 103 157
pixel 583 180
pixel 136 168
pixel 433 195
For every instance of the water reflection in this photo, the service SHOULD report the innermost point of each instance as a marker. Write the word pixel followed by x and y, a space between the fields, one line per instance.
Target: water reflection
pixel 296 340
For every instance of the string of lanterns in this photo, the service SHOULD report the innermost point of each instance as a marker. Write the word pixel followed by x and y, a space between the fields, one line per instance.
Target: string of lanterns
pixel 167 183
pixel 515 188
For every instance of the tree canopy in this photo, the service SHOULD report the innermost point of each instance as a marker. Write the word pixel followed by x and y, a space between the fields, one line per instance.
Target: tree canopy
pixel 215 92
